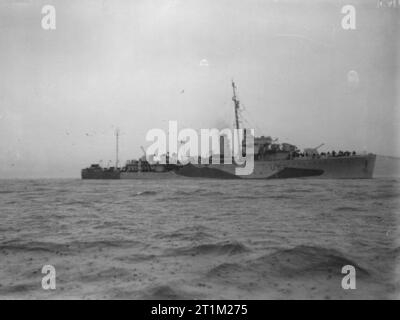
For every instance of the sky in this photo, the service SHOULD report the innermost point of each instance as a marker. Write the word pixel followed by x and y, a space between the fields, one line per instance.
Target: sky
pixel 135 65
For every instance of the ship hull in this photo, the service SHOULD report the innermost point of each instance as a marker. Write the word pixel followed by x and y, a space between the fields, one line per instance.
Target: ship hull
pixel 352 167
pixel 149 175
pixel 100 175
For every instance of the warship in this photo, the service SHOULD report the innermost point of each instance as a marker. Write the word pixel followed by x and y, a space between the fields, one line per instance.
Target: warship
pixel 272 160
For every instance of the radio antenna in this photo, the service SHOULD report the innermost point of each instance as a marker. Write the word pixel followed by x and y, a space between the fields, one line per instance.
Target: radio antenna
pixel 116 147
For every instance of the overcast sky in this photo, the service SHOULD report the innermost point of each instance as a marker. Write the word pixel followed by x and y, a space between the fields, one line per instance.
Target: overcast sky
pixel 137 64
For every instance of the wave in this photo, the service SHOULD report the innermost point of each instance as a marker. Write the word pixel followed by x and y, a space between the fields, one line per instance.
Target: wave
pixel 30 246
pixel 356 196
pixel 18 288
pixel 344 208
pixel 211 193
pixel 68 248
pixel 223 248
pixel 145 193
pixel 306 259
pixel 62 191
pixel 104 275
pixel 226 269
pixel 84 203
pixel 37 190
pixel 283 196
pixel 136 258
pixel 396 252
pixel 12 202
pixel 186 236
pixel 385 195
pixel 194 228
pixel 189 193
pixel 247 197
pixel 6 191
pixel 165 292
pixel 108 224
pixel 300 261
pixel 198 192
pixel 297 190
pixel 192 233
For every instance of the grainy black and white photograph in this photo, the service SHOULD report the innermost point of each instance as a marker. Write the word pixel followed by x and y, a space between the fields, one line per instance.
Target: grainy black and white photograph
pixel 199 150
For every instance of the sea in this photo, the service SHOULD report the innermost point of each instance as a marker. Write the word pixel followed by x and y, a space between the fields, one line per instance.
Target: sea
pixel 200 239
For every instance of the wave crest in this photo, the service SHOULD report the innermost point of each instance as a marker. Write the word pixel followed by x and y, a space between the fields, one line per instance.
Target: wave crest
pixel 223 248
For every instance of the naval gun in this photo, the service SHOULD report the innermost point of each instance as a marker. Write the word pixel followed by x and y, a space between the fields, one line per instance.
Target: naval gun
pixel 313 151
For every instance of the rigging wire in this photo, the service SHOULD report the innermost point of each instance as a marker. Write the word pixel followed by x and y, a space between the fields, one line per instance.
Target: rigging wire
pixel 250 121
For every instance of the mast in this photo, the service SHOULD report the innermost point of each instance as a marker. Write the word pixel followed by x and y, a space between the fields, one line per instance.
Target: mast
pixel 242 144
pixel 236 104
pixel 116 147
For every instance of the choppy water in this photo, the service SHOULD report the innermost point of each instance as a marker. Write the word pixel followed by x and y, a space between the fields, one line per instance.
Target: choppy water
pixel 199 238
